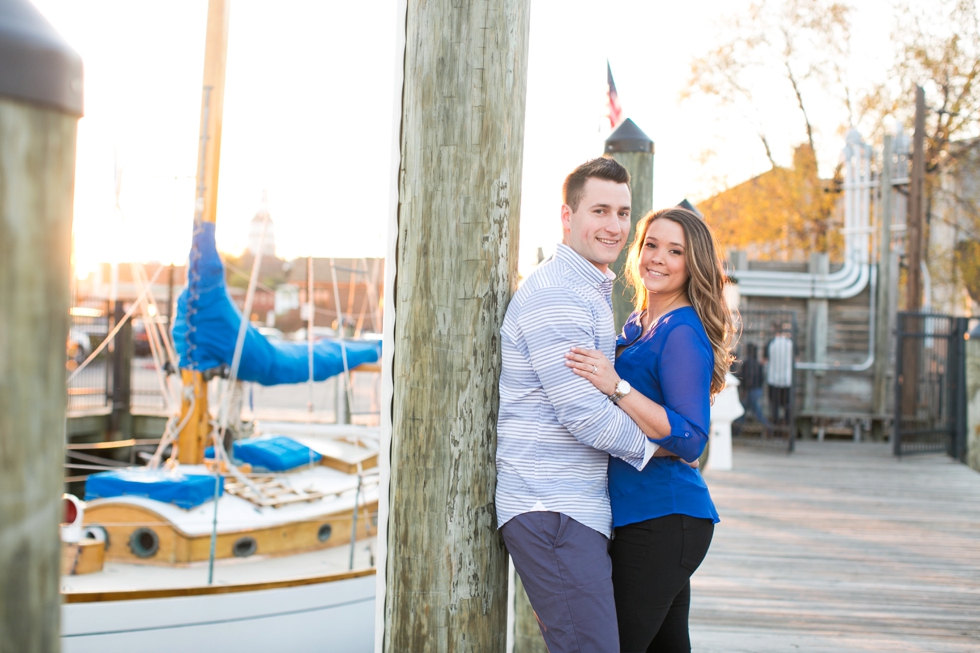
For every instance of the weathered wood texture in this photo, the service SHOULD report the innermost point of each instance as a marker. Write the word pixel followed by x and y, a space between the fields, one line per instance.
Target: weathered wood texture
pixel 462 135
pixel 37 170
pixel 841 547
pixel 640 165
pixel 915 218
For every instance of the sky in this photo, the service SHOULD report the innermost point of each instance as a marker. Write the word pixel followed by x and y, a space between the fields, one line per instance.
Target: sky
pixel 308 112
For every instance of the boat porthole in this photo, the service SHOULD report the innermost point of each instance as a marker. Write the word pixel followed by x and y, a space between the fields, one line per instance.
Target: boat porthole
pixel 144 543
pixel 97 533
pixel 324 533
pixel 244 547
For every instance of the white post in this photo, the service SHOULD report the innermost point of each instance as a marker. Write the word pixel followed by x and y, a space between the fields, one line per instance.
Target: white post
pixel 726 409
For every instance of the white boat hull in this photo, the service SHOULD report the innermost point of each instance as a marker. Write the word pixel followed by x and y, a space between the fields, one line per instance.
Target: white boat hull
pixel 335 616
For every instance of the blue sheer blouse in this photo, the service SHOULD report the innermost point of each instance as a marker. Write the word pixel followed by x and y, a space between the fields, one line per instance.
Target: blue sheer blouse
pixel 671 364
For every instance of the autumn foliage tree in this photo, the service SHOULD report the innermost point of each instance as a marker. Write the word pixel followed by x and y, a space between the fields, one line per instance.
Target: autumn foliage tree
pixel 803 45
pixel 940 50
pixel 779 215
pixel 806 45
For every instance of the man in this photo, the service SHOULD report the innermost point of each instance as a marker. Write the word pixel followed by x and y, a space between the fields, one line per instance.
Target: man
pixel 555 430
pixel 779 375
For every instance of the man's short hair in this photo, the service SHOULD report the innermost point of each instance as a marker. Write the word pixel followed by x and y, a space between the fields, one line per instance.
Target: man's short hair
pixel 601 168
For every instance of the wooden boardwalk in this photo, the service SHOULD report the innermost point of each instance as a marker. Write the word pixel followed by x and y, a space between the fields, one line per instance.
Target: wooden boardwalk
pixel 841 547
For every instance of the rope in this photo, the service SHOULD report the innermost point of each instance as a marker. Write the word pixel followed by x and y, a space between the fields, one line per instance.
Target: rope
pixel 149 324
pixel 219 438
pixel 115 330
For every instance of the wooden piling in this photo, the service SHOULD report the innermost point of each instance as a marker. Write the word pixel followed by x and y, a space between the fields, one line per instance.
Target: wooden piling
pixel 914 235
pixel 883 308
pixel 915 219
pixel 40 102
pixel 634 151
pixel 461 142
pixel 121 420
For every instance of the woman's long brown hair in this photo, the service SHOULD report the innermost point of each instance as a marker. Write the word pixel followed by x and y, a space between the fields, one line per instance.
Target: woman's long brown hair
pixel 705 284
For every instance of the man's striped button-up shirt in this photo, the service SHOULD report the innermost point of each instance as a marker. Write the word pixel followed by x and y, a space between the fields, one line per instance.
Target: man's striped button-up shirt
pixel 555 430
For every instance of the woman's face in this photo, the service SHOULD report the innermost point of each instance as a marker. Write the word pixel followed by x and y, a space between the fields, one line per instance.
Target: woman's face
pixel 662 264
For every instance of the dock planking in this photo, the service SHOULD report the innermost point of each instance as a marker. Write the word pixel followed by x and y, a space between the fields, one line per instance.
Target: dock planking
pixel 841 547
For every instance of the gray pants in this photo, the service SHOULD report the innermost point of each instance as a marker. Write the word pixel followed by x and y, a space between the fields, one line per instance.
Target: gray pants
pixel 567 573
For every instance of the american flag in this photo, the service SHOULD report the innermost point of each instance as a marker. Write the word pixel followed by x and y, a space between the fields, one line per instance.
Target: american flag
pixel 615 111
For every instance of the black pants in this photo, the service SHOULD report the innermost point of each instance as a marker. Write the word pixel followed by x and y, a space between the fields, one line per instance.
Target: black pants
pixel 778 401
pixel 652 563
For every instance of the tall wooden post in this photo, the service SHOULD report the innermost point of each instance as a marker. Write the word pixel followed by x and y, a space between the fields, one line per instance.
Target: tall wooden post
pixel 914 235
pixel 121 419
pixel 40 102
pixel 192 439
pixel 634 150
pixel 461 142
pixel 883 300
pixel 916 212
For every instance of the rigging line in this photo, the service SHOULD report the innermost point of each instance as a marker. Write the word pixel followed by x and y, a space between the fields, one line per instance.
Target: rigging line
pixel 151 339
pixel 168 433
pixel 242 329
pixel 240 272
pixel 310 303
pixel 343 348
pixel 348 386
pixel 219 438
pixel 164 333
pixel 112 334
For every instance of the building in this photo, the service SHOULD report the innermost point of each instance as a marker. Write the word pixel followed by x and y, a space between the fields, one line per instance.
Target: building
pixel 261 220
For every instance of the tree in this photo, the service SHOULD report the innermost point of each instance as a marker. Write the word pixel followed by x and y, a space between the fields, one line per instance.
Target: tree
pixel 939 49
pixel 781 214
pixel 804 43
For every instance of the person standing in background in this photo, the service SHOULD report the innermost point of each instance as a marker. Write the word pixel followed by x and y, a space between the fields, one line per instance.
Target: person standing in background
pixel 779 375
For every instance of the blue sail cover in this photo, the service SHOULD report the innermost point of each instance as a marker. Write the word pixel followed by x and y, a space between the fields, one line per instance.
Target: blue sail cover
pixel 183 490
pixel 206 328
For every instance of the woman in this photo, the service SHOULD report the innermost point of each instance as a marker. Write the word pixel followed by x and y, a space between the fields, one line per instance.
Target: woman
pixel 674 353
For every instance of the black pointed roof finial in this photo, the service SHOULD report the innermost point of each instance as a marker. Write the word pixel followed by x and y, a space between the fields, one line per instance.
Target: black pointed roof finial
pixel 684 204
pixel 628 138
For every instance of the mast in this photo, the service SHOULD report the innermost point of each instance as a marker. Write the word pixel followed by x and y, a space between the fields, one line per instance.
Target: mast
pixel 194 413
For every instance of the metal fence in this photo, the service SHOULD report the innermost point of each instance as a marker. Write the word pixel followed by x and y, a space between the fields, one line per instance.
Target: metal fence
pixel 145 386
pixel 930 384
pixel 765 357
pixel 88 327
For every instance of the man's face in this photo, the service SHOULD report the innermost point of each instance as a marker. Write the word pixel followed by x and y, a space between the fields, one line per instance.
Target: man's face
pixel 599 227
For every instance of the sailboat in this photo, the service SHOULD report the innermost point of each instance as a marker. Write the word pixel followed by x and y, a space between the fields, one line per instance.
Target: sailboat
pixel 248 543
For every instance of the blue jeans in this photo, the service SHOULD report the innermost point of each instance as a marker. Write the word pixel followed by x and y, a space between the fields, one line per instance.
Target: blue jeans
pixel 753 400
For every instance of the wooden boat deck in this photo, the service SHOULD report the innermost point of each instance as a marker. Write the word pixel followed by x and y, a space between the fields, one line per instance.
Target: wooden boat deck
pixel 841 547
